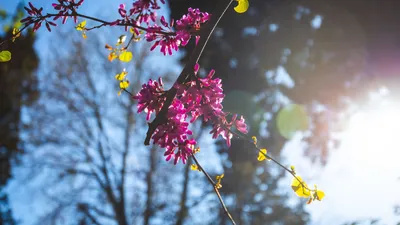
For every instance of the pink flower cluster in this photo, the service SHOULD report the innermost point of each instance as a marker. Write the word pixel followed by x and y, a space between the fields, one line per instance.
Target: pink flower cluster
pixel 168 35
pixel 195 98
pixel 185 27
pixel 142 11
pixel 64 7
pixel 199 97
pixel 35 17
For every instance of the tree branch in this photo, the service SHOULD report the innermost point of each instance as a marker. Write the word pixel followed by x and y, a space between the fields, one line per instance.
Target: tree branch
pixel 205 35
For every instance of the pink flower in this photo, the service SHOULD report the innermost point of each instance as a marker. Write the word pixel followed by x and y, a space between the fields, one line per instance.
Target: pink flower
pixel 167 40
pixel 65 7
pixel 36 17
pixel 222 127
pixel 151 98
pixel 190 23
pixel 197 97
pixel 173 135
pixel 145 10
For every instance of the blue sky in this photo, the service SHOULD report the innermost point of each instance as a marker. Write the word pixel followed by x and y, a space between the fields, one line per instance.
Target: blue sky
pixel 361 179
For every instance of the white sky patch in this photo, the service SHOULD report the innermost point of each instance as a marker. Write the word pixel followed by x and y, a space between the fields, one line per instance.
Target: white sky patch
pixel 317 22
pixel 361 178
pixel 282 77
pixel 273 27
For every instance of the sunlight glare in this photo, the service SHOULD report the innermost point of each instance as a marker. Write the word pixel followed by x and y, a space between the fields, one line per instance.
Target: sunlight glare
pixel 374 134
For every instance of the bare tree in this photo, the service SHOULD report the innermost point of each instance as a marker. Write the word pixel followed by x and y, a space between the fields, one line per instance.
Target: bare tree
pixel 84 141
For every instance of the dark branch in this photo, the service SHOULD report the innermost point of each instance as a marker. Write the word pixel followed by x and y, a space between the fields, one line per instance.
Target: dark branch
pixel 205 35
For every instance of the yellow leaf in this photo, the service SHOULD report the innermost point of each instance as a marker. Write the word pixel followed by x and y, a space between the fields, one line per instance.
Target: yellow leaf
pixel 194 167
pixel 262 154
pixel 300 187
pixel 242 6
pixel 125 56
pixel 320 195
pixel 218 185
pixel 112 56
pixel 124 84
pixel 121 75
pixel 81 26
pixel 121 39
pixel 84 35
pixel 254 140
pixel 16 33
pixel 108 47
pixel 196 150
pixel 5 56
pixel 119 92
pixel 292 169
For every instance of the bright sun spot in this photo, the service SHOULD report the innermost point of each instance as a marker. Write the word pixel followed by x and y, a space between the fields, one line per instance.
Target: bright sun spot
pixel 374 132
pixel 361 178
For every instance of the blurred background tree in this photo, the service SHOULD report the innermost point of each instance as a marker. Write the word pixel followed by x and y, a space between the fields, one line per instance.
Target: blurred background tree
pixel 18 88
pixel 322 55
pixel 84 143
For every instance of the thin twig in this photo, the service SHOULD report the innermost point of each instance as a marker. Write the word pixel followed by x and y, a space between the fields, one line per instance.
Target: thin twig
pixel 270 158
pixel 103 23
pixel 210 180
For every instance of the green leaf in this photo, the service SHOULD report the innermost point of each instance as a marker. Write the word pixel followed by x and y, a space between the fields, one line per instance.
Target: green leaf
pixel 125 56
pixel 291 119
pixel 5 56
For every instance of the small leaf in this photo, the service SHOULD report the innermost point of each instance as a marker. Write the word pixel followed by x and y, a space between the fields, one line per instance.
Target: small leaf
pixel 5 56
pixel 262 155
pixel 16 33
pixel 218 185
pixel 196 150
pixel 300 187
pixel 125 56
pixel 112 56
pixel 81 26
pixel 84 35
pixel 121 39
pixel 194 167
pixel 242 6
pixel 320 195
pixel 108 47
pixel 121 75
pixel 292 169
pixel 219 177
pixel 254 140
pixel 124 84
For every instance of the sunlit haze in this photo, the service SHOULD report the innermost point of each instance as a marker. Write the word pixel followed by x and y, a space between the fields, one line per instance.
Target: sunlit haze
pixel 362 175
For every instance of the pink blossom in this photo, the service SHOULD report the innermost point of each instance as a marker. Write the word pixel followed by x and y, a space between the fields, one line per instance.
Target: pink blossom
pixel 64 7
pixel 222 127
pixel 197 97
pixel 36 17
pixel 151 98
